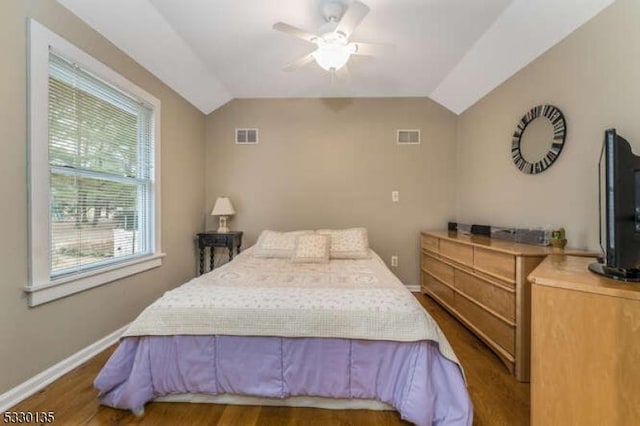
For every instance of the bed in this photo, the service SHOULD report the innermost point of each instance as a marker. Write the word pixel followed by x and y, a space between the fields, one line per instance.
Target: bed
pixel 266 330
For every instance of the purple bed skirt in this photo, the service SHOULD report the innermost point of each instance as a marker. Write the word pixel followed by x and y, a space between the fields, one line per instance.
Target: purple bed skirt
pixel 413 377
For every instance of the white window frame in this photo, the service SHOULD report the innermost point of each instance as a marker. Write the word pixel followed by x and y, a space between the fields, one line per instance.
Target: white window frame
pixel 40 287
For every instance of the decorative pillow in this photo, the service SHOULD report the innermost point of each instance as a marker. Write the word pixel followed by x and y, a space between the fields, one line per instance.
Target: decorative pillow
pixel 350 243
pixel 312 248
pixel 277 244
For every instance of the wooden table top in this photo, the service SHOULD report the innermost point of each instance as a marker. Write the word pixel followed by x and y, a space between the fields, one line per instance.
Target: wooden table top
pixel 570 272
pixel 509 247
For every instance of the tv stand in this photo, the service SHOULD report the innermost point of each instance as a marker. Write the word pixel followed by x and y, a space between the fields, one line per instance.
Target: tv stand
pixel 626 275
pixel 585 346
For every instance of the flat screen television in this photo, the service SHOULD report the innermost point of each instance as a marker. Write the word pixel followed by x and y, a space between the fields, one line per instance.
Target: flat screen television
pixel 619 178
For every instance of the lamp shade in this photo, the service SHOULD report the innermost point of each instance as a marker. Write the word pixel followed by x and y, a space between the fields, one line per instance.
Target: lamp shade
pixel 223 207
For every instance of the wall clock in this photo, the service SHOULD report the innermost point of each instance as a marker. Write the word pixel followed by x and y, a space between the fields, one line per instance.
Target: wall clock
pixel 538 139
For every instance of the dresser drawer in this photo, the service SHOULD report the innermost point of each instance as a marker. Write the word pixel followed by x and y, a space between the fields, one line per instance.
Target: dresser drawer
pixel 461 253
pixel 436 288
pixel 428 242
pixel 500 265
pixel 493 297
pixel 437 268
pixel 496 330
pixel 216 240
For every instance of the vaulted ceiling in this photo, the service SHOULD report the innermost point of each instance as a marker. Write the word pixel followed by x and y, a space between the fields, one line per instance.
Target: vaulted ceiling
pixel 453 51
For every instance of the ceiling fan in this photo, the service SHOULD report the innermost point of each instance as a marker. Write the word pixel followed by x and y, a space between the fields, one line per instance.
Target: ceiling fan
pixel 333 48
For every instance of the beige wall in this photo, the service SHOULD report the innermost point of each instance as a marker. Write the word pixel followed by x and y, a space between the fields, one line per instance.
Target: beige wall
pixel 593 76
pixel 332 163
pixel 33 339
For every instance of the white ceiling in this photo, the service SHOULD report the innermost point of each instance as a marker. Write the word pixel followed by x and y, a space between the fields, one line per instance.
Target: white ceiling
pixel 454 51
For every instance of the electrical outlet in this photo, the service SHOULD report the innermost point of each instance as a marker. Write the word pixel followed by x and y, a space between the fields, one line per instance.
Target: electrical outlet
pixel 395 196
pixel 394 261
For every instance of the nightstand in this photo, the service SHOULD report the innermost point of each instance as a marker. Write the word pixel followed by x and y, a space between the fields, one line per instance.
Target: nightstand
pixel 232 240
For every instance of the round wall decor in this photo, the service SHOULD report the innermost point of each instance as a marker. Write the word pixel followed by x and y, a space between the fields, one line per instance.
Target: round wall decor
pixel 542 128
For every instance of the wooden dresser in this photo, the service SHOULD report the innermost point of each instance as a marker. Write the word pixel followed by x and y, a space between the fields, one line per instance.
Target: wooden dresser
pixel 483 282
pixel 585 346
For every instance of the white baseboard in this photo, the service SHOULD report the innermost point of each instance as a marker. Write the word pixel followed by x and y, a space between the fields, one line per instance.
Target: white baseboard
pixel 39 381
pixel 413 288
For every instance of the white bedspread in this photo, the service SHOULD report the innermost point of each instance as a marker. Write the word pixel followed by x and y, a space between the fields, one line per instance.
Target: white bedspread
pixel 356 299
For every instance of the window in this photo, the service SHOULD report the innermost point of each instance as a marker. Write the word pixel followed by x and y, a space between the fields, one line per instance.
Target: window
pixel 93 160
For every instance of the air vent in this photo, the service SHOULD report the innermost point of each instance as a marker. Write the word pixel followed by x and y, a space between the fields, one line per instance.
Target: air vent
pixel 408 136
pixel 246 136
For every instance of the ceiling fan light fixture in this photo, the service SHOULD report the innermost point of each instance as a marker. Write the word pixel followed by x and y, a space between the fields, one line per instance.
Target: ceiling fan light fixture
pixel 333 47
pixel 333 56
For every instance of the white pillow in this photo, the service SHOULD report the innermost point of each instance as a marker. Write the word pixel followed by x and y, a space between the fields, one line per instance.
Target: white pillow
pixel 350 243
pixel 312 248
pixel 277 244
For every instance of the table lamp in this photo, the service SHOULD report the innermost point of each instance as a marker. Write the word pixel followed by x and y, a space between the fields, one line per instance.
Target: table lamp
pixel 223 208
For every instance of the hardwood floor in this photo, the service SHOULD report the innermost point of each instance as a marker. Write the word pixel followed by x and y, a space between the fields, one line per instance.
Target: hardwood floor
pixel 497 397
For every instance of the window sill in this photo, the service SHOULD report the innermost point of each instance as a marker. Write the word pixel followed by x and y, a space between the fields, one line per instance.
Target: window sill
pixel 47 292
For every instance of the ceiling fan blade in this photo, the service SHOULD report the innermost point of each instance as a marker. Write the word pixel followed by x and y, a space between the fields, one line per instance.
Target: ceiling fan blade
pixel 299 63
pixel 296 32
pixel 370 49
pixel 351 18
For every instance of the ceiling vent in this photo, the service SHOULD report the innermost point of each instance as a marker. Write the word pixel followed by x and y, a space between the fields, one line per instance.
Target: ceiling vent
pixel 408 137
pixel 246 136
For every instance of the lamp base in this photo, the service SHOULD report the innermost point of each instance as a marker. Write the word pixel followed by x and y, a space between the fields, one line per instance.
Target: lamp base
pixel 223 228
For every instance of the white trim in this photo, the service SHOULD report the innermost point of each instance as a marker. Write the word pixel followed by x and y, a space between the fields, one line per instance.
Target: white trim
pixel 156 216
pixel 52 290
pixel 413 288
pixel 38 188
pixel 39 381
pixel 40 287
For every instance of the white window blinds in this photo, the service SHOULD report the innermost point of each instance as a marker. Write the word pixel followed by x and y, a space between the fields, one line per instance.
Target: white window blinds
pixel 100 146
